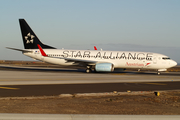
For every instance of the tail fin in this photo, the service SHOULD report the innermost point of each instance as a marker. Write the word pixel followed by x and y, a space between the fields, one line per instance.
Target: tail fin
pixel 30 39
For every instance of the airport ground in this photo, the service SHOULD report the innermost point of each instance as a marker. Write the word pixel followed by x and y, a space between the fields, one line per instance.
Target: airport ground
pixel 168 103
pixel 135 91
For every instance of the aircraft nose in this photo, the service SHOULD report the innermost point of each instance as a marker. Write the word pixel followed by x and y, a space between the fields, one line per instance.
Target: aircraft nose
pixel 173 63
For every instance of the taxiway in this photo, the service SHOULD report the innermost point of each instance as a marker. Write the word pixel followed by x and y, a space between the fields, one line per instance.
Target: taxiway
pixel 20 83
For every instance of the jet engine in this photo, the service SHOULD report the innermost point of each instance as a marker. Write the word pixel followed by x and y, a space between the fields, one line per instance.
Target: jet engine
pixel 104 67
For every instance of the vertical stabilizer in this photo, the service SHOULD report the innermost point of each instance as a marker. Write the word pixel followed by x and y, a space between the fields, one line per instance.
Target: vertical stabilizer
pixel 30 39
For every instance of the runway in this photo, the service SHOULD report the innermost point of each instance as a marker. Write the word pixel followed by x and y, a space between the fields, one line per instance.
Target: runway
pixel 18 83
pixel 54 90
pixel 34 77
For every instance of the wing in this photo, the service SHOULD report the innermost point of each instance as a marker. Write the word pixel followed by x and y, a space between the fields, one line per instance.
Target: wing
pixel 76 61
pixel 80 61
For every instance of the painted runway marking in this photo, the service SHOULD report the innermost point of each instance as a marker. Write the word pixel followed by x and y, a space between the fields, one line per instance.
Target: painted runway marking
pixel 148 83
pixel 9 88
pixel 117 73
pixel 154 83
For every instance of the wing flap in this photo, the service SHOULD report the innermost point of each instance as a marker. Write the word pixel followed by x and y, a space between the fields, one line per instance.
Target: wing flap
pixel 80 61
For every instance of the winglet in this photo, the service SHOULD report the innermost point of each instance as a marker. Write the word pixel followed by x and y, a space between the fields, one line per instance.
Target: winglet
pixel 42 51
pixel 95 48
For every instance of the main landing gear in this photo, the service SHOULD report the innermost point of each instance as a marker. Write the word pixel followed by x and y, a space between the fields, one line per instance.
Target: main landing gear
pixel 89 69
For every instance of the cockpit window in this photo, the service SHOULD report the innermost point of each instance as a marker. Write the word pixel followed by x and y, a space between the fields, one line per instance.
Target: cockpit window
pixel 166 58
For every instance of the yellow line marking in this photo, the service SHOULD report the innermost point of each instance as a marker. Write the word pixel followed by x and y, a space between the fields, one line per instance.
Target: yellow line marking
pixel 9 88
pixel 148 83
pixel 154 83
pixel 118 73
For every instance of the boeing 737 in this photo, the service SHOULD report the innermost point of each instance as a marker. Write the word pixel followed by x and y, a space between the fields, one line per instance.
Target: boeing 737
pixel 93 60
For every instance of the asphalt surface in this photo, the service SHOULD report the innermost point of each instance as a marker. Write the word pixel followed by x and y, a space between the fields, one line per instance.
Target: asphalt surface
pixel 22 82
pixel 50 90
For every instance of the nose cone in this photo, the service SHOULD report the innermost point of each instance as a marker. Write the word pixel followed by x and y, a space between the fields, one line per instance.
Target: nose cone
pixel 173 63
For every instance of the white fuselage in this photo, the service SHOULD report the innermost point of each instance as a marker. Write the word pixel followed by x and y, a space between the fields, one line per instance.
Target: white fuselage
pixel 120 59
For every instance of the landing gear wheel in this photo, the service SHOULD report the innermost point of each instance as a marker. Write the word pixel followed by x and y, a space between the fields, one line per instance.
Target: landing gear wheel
pixel 88 70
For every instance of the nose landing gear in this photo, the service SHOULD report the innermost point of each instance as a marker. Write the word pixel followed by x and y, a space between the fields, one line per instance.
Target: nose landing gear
pixel 158 73
pixel 161 70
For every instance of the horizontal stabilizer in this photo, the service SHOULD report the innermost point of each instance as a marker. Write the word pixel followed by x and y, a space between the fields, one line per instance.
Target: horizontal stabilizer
pixel 23 50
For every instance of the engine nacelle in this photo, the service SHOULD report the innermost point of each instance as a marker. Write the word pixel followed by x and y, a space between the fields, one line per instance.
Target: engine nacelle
pixel 104 67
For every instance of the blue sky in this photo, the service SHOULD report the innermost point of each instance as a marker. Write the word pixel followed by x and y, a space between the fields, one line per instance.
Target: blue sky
pixel 132 25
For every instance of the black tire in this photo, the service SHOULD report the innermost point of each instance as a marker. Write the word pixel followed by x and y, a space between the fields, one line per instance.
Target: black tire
pixel 88 70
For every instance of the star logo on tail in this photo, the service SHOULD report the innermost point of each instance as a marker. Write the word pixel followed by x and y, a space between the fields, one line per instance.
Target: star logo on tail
pixel 29 38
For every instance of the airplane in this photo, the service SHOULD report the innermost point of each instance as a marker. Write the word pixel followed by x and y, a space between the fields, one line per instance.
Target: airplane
pixel 93 60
